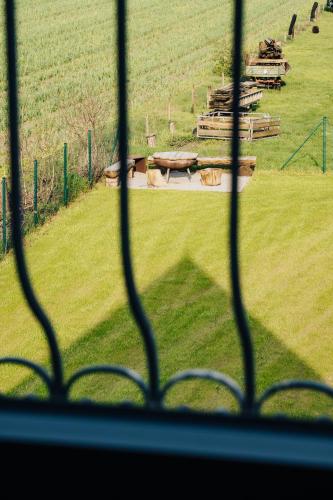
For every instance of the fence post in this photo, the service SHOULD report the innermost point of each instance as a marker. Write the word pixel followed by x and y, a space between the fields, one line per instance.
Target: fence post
pixel 35 192
pixel 90 176
pixel 193 100
pixel 324 143
pixel 291 31
pixel 65 174
pixel 4 215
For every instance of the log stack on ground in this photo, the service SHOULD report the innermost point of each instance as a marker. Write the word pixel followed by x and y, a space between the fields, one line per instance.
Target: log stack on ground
pixel 222 99
pixel 270 49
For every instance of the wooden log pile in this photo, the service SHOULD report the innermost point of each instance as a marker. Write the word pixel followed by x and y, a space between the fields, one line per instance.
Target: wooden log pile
pixel 270 49
pixel 222 99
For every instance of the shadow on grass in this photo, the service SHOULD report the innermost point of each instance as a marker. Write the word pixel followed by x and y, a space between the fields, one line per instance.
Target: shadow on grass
pixel 194 328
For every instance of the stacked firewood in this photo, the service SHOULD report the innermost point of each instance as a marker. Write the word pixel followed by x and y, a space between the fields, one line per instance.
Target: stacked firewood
pixel 270 49
pixel 221 99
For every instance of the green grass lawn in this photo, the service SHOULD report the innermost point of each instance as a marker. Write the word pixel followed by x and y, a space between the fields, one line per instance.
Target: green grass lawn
pixel 180 249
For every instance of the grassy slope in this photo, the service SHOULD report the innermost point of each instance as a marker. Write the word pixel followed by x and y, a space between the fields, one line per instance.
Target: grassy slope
pixel 301 104
pixel 306 98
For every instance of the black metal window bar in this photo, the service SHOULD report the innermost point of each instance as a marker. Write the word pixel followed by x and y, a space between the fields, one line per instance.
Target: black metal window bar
pixel 250 404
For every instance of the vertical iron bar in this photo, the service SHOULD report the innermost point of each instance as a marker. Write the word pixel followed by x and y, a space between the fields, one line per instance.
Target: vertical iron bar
pixel 324 144
pixel 65 174
pixel 4 215
pixel 35 192
pixel 90 176
pixel 239 311
pixel 15 204
pixel 133 297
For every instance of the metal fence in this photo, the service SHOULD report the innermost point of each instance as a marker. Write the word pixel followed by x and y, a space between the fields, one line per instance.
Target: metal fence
pixel 321 126
pixel 250 403
pixel 55 180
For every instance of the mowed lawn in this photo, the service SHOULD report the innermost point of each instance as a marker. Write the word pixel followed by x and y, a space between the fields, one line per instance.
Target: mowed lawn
pixel 180 249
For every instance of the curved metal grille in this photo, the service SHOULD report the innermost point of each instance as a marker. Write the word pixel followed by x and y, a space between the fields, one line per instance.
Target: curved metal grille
pixel 154 395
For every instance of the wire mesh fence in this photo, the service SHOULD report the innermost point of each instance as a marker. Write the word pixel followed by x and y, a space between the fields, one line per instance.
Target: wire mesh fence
pixel 56 180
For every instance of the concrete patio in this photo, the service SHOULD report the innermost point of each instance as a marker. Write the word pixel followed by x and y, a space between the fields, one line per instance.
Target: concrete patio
pixel 179 182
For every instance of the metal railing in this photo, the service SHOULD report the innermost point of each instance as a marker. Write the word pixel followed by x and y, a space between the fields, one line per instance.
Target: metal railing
pixel 250 404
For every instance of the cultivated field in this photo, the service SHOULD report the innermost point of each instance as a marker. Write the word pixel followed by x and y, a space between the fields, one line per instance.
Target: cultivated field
pixel 72 59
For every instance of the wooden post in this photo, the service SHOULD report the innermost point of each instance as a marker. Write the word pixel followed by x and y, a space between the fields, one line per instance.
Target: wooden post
pixel 193 100
pixel 172 126
pixel 291 31
pixel 314 12
pixel 222 79
pixel 209 91
pixel 151 138
pixel 169 111
pixel 147 125
pixel 4 215
pixel 65 193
